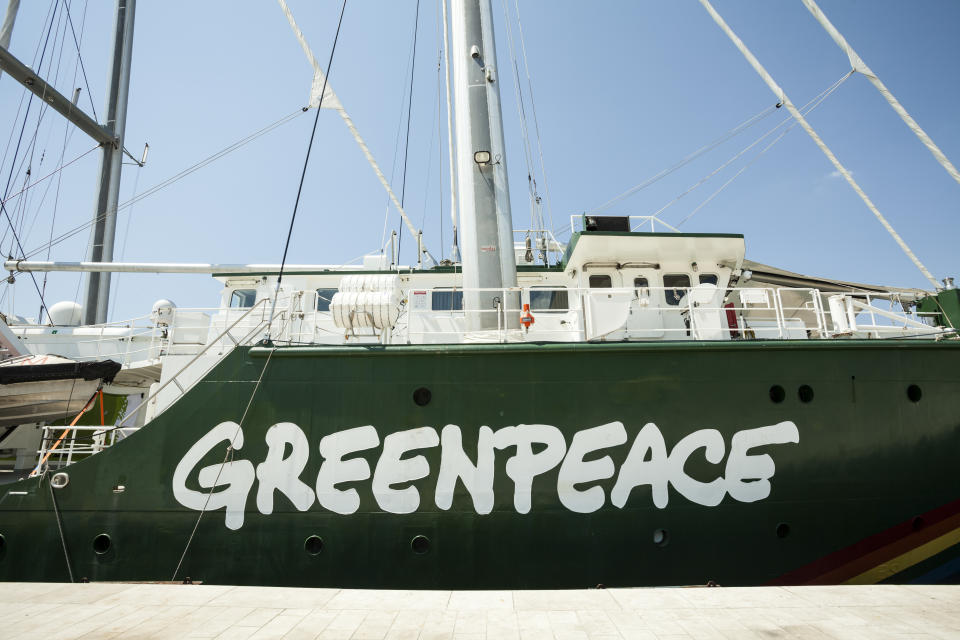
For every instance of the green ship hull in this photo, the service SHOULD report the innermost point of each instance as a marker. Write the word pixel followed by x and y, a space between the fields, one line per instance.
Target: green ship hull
pixel 857 482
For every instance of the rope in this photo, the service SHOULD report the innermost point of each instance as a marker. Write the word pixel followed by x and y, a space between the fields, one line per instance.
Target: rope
pixel 63 435
pixel 63 539
pixel 228 452
pixel 303 174
pixel 861 67
pixel 816 138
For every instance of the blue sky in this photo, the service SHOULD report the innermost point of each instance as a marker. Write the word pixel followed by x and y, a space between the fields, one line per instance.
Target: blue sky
pixel 622 91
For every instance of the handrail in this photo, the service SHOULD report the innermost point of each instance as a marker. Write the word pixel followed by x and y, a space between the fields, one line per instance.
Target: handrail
pixel 194 359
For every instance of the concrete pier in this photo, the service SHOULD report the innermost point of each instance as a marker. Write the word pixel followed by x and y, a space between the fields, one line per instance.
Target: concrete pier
pixel 122 610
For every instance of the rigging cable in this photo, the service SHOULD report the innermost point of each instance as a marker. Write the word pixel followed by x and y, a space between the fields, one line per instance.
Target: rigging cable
pixel 809 106
pixel 782 96
pixel 406 148
pixel 66 4
pixel 533 111
pixel 536 221
pixel 793 123
pixel 740 128
pixel 303 174
pixel 16 152
pixel 167 182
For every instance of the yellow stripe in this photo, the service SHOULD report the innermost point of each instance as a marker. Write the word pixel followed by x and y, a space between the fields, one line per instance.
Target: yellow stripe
pixel 905 561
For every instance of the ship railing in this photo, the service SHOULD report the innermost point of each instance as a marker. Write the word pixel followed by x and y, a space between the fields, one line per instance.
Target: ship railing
pixel 198 365
pixel 80 442
pixel 84 441
pixel 667 313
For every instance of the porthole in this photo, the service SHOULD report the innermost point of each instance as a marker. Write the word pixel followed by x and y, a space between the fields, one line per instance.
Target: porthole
pixel 805 393
pixel 420 544
pixel 101 544
pixel 313 545
pixel 918 523
pixel 783 530
pixel 777 394
pixel 422 396
pixel 60 480
pixel 661 537
pixel 914 393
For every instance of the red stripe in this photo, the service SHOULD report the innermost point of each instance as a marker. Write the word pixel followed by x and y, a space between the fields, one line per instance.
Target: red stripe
pixel 825 570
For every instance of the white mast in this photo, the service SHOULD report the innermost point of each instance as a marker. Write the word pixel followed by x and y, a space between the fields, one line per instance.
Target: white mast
pixel 486 225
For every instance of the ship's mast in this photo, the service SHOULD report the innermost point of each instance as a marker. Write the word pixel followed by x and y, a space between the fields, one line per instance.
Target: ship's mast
pixel 486 226
pixel 97 294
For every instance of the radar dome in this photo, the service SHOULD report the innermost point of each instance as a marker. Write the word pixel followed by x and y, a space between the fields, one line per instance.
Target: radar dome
pixel 66 313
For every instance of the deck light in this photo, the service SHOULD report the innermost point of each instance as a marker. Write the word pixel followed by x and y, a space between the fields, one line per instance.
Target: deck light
pixel 481 157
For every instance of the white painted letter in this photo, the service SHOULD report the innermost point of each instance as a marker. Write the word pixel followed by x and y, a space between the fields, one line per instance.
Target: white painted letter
pixel 392 470
pixel 575 470
pixel 454 463
pixel 283 474
pixel 237 476
pixel 636 471
pixel 711 493
pixel 748 477
pixel 336 470
pixel 525 465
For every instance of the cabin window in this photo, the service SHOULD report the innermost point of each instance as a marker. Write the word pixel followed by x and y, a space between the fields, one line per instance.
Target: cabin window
pixel 600 282
pixel 243 298
pixel 675 287
pixel 709 278
pixel 547 299
pixel 324 297
pixel 447 300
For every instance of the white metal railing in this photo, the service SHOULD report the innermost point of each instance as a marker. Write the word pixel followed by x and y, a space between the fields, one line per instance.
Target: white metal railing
pixel 79 442
pixel 670 313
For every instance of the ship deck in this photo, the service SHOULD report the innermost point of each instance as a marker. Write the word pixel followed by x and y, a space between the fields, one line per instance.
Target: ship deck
pixel 123 610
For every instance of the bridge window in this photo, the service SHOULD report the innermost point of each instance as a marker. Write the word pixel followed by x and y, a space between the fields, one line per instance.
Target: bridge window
pixel 600 282
pixel 324 296
pixel 547 299
pixel 447 300
pixel 243 298
pixel 709 278
pixel 676 286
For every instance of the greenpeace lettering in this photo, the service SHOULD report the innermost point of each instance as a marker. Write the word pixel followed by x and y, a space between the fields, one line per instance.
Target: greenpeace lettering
pixel 533 450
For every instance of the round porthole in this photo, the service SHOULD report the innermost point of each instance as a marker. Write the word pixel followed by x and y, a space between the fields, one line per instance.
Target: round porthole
pixel 101 544
pixel 422 396
pixel 805 393
pixel 777 394
pixel 420 544
pixel 661 537
pixel 914 393
pixel 918 523
pixel 313 545
pixel 783 530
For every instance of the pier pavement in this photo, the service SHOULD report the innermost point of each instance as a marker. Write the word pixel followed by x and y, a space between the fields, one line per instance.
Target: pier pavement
pixel 124 610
